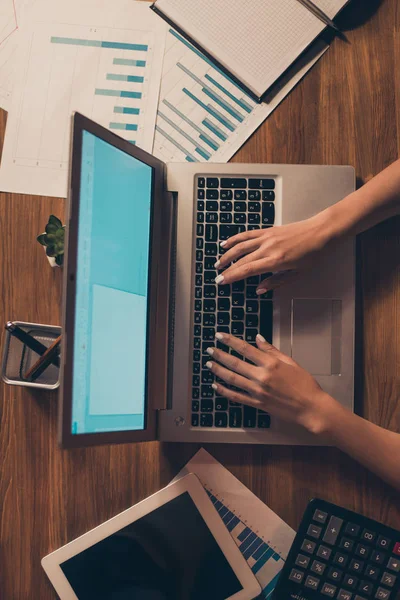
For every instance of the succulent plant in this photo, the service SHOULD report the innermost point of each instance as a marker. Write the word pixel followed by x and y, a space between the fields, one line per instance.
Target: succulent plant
pixel 53 239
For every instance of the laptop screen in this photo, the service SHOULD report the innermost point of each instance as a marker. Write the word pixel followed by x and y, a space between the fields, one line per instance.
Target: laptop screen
pixel 112 279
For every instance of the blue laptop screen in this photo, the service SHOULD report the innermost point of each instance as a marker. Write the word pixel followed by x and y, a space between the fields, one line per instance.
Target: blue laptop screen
pixel 110 345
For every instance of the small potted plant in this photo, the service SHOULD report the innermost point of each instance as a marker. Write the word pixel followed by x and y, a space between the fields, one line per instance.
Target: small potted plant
pixel 53 241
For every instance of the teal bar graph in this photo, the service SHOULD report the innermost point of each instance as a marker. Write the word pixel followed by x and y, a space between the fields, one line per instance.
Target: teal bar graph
pixel 189 157
pixel 198 148
pixel 124 126
pixel 99 44
pixel 127 62
pixel 215 129
pixel 180 114
pixel 129 78
pixel 118 93
pixel 216 114
pixel 240 102
pixel 125 110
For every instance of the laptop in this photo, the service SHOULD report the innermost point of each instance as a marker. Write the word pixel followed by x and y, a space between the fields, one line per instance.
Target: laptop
pixel 141 306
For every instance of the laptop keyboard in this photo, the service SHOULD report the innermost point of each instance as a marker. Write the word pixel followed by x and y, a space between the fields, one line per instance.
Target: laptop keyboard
pixel 225 207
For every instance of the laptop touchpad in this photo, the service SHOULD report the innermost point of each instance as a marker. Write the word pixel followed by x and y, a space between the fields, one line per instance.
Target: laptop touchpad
pixel 317 335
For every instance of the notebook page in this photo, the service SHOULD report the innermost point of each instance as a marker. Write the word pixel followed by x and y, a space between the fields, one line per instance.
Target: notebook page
pixel 256 40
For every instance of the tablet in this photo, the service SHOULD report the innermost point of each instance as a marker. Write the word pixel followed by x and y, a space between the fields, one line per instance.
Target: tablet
pixel 171 546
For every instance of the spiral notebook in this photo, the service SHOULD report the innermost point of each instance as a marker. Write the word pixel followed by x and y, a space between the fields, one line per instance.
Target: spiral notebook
pixel 254 41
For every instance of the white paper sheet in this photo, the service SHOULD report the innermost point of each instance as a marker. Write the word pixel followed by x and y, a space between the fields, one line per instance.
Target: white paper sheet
pixel 202 115
pixel 105 63
pixel 261 535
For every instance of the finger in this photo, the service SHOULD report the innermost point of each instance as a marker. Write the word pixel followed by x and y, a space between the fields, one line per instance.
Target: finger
pixel 276 280
pixel 241 237
pixel 271 351
pixel 236 252
pixel 232 378
pixel 234 273
pixel 241 347
pixel 236 396
pixel 233 363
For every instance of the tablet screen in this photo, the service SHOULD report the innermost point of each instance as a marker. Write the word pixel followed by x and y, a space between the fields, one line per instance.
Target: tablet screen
pixel 169 554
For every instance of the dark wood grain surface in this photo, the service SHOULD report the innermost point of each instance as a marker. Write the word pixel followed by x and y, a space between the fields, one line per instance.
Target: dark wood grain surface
pixel 346 111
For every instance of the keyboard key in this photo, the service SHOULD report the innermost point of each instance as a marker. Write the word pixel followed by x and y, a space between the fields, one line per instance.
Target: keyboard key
pixel 249 417
pixel 240 195
pixel 235 417
pixel 197 317
pixel 266 330
pixel 251 320
pixel 237 328
pixel 268 195
pixel 268 213
pixel 253 219
pixel 350 581
pixel 368 535
pixel 356 565
pixel 226 218
pixel 233 183
pixel 240 207
pixel 366 587
pixel 199 255
pixel 237 314
pixel 207 391
pixel 195 420
pixel 223 318
pixel 394 564
pixel 224 290
pixel 263 421
pixel 197 330
pixel 344 595
pixel 251 335
pixel 199 230
pixel 200 205
pixel 359 597
pixel 199 280
pixel 221 404
pixel 199 243
pixel 254 195
pixel 239 218
pixel 252 306
pixel 211 206
pixel 302 561
pixel 199 267
pixel 382 594
pixel 388 579
pixel 207 376
pixel 226 195
pixel 314 531
pixel 334 526
pixel 237 300
pixel 206 420
pixel 340 559
pixel 196 368
pixel 201 195
pixel 318 567
pixel 221 419
pixel 208 334
pixel 352 529
pixel 328 590
pixel 362 551
pixel 378 557
pixel 201 182
pixel 312 582
pixel 195 405
pixel 196 380
pixel 224 304
pixel 210 291
pixel 212 182
pixel 372 572
pixel 211 249
pixel 200 217
pixel 196 355
pixel 296 575
pixel 209 320
pixel 207 405
pixel 346 544
pixel 238 286
pixel 335 574
pixel 227 231
pixel 254 207
pixel 257 184
pixel 251 292
pixel 211 217
pixel 320 516
pixel 212 233
pixel 209 262
pixel 209 306
pixel 253 227
pixel 383 542
pixel 324 552
pixel 253 280
pixel 197 342
pixel 307 546
pixel 209 276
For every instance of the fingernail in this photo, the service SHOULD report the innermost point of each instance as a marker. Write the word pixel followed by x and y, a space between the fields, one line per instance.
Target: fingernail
pixel 222 244
pixel 210 351
pixel 214 386
pixel 209 365
pixel 217 264
pixel 260 338
pixel 260 291
pixel 219 279
pixel 219 336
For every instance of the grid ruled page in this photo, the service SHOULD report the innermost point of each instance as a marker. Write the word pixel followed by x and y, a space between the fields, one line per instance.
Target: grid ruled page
pixel 256 40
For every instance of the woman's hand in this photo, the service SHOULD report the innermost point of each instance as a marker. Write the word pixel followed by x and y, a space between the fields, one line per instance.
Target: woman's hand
pixel 282 250
pixel 273 382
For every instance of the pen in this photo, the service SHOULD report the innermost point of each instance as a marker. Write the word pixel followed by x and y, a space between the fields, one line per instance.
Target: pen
pixel 29 341
pixel 317 12
pixel 44 361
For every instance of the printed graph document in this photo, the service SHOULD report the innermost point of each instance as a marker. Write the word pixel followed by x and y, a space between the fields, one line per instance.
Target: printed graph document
pixel 254 40
pixel 107 66
pixel 261 535
pixel 202 114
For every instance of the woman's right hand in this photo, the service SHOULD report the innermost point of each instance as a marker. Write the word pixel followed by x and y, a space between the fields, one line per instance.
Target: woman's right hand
pixel 282 251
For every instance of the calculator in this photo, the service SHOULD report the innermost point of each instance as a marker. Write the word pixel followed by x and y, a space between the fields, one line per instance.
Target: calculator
pixel 340 554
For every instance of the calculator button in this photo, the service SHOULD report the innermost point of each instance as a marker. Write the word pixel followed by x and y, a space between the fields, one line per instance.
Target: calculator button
pixel 372 572
pixel 382 594
pixel 314 531
pixel 346 544
pixel 335 574
pixel 359 598
pixel 318 567
pixel 396 549
pixel 320 516
pixel 388 579
pixel 308 546
pixel 344 595
pixel 394 564
pixel 356 565
pixel 328 590
pixel 324 552
pixel 332 530
pixel 362 551
pixel 383 542
pixel 366 587
pixel 352 529
pixel 368 536
pixel 378 557
pixel 340 559
pixel 312 582
pixel 350 581
pixel 296 575
pixel 302 561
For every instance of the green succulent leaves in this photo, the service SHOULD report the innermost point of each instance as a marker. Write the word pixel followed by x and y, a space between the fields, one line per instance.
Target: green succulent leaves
pixel 53 239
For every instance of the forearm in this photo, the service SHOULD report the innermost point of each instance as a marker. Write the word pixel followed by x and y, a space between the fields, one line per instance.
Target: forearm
pixel 376 201
pixel 374 447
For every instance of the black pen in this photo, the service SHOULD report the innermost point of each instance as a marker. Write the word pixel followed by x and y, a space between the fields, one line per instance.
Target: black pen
pixel 29 341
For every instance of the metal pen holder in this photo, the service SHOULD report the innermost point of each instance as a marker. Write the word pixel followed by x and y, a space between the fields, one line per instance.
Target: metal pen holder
pixel 18 358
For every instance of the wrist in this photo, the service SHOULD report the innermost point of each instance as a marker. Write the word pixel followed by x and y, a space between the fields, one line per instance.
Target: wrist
pixel 334 222
pixel 323 416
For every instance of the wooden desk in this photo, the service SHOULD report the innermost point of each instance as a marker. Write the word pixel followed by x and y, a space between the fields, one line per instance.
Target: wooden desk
pixel 346 111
